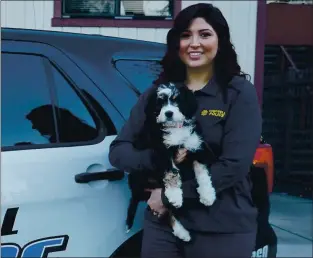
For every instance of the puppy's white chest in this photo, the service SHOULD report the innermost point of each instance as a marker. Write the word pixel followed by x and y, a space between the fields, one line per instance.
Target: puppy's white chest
pixel 193 142
pixel 182 136
pixel 176 136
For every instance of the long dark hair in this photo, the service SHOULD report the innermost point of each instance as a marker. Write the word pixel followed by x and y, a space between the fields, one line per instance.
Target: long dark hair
pixel 225 63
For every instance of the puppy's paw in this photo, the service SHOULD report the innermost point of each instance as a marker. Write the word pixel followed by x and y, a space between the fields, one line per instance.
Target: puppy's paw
pixel 184 235
pixel 207 201
pixel 181 232
pixel 207 195
pixel 174 196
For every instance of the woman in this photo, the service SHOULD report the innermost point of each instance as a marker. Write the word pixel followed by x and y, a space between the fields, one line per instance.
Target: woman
pixel 200 55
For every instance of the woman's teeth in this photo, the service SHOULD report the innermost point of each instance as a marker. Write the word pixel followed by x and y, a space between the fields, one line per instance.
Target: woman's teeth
pixel 194 54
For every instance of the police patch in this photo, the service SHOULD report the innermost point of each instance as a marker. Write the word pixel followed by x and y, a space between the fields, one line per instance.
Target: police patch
pixel 213 112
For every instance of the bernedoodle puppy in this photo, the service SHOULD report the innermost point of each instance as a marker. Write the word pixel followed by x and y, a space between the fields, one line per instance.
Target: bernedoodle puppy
pixel 171 120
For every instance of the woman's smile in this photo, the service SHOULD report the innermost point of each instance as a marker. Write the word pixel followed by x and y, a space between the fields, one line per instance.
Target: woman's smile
pixel 195 55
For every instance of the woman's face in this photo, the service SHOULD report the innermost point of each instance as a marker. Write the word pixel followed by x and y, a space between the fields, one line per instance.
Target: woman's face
pixel 198 44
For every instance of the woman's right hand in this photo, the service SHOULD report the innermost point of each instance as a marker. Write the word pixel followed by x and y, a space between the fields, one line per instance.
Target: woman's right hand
pixel 180 155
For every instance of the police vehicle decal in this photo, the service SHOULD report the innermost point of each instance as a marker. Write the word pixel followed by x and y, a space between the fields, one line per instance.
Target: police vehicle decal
pixel 39 248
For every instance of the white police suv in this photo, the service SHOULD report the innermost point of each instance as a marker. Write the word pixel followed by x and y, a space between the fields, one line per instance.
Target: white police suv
pixel 64 97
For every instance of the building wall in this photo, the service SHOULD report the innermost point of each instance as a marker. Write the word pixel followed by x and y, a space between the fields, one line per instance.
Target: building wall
pixel 241 16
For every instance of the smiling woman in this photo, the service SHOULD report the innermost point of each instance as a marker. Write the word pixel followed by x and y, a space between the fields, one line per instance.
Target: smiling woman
pixel 199 56
pixel 198 48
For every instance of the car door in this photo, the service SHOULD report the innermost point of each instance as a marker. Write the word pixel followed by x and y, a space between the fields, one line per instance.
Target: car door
pixel 59 193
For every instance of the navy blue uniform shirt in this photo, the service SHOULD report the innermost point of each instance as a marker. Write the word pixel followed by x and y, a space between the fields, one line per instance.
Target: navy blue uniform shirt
pixel 232 130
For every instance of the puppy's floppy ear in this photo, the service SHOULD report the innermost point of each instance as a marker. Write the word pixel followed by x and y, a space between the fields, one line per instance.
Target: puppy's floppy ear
pixel 151 110
pixel 151 104
pixel 187 102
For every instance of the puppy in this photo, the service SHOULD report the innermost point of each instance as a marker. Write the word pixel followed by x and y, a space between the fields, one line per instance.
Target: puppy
pixel 172 125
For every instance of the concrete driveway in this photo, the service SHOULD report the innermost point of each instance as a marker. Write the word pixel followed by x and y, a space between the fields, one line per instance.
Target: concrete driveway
pixel 291 218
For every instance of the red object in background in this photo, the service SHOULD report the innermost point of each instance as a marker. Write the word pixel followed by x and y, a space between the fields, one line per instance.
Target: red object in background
pixel 264 158
pixel 282 18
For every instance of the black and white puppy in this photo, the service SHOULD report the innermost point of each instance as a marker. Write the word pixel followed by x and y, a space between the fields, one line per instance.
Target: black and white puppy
pixel 172 125
pixel 175 108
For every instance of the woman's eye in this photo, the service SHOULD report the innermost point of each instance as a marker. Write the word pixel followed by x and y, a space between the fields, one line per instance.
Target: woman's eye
pixel 205 35
pixel 184 35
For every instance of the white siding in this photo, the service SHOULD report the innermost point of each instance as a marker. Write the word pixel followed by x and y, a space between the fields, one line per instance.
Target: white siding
pixel 241 16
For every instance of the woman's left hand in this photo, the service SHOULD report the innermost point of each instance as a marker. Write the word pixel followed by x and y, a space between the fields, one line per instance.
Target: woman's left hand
pixel 155 202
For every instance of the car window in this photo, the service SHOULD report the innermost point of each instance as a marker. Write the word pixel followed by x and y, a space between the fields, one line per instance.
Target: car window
pixel 30 117
pixel 140 73
pixel 24 88
pixel 75 122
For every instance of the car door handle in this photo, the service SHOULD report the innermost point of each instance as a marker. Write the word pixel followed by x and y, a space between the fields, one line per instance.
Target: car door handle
pixel 110 175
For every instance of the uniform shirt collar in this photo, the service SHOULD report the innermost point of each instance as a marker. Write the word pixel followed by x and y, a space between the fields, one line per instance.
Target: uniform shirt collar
pixel 211 88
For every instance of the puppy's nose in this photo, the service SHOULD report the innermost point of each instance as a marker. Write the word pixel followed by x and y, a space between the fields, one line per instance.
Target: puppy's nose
pixel 168 114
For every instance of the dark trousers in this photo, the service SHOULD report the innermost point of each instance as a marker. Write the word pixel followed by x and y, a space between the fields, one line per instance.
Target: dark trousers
pixel 159 241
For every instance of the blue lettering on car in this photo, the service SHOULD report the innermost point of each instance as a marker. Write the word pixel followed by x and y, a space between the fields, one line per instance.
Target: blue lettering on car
pixel 10 250
pixel 39 248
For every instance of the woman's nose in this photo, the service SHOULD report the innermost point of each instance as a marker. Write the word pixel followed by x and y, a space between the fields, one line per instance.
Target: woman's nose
pixel 195 42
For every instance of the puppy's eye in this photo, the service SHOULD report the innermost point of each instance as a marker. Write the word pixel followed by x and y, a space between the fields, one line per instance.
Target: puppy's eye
pixel 174 97
pixel 162 96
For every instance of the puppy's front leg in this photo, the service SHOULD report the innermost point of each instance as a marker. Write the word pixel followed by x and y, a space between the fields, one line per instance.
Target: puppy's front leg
pixel 173 191
pixel 205 188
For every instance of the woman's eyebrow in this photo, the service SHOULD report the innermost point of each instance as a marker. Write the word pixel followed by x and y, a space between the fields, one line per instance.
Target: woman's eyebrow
pixel 203 30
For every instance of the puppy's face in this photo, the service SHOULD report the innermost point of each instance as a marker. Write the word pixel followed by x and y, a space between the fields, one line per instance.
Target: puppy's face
pixel 175 105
